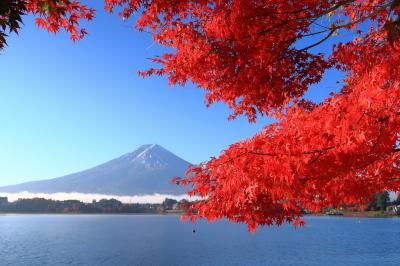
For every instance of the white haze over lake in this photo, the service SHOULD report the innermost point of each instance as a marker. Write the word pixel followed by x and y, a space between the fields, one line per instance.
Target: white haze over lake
pixel 88 198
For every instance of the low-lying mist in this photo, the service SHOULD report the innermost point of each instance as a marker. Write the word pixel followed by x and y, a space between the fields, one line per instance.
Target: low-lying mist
pixel 87 198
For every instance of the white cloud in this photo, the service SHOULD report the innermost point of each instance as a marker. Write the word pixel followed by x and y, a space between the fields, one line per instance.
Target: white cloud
pixel 84 197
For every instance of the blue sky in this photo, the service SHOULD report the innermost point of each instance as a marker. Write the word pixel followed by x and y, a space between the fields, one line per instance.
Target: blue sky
pixel 66 107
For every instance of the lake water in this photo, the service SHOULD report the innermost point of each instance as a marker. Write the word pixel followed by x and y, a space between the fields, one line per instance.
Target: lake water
pixel 164 240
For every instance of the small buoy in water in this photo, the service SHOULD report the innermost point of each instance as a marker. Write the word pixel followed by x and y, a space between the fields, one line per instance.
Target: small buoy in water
pixel 194 231
pixel 359 221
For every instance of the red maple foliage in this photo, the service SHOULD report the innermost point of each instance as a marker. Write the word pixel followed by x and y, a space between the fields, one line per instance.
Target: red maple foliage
pixel 50 15
pixel 256 57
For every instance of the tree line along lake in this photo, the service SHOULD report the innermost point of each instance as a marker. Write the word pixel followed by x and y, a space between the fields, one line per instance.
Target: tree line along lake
pixel 380 206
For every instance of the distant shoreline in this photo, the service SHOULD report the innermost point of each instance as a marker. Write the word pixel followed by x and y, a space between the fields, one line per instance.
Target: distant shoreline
pixel 370 214
pixel 366 214
pixel 361 215
pixel 76 214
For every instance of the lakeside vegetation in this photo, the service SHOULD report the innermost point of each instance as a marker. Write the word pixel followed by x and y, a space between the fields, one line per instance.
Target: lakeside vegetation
pixel 41 205
pixel 380 206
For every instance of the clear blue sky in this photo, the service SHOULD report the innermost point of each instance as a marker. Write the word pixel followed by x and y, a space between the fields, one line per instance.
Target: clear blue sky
pixel 66 107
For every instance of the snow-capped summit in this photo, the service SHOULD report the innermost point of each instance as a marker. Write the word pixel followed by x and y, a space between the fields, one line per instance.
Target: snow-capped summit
pixel 146 170
pixel 152 156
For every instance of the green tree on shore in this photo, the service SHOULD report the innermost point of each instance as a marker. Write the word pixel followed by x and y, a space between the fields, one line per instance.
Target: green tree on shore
pixel 380 201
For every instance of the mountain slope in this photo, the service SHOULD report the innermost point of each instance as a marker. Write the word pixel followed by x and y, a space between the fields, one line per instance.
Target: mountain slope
pixel 146 170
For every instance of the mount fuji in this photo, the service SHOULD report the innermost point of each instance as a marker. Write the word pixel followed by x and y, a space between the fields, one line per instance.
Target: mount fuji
pixel 146 170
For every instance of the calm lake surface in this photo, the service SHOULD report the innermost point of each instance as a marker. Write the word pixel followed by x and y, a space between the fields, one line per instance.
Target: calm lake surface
pixel 164 240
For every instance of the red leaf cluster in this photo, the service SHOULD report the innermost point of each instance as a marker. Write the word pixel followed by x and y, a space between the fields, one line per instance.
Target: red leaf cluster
pixel 56 14
pixel 51 15
pixel 338 152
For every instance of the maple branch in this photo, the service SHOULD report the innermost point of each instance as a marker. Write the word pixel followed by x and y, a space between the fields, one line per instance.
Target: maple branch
pixel 317 16
pixel 277 154
pixel 314 33
pixel 368 179
pixel 316 158
pixel 335 28
pixel 292 154
pixel 319 42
